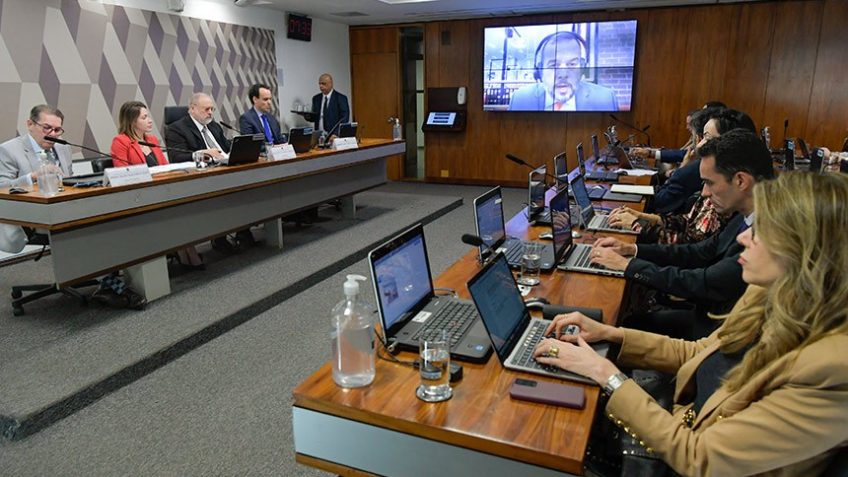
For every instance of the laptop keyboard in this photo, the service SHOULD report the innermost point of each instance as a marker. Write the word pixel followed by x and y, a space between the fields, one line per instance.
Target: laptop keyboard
pixel 513 253
pixel 455 317
pixel 583 261
pixel 525 355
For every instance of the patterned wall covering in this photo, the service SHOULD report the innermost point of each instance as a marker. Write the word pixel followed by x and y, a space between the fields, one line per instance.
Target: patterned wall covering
pixel 88 58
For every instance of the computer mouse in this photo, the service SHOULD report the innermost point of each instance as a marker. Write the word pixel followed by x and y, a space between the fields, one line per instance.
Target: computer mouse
pixel 535 302
pixel 546 236
pixel 17 190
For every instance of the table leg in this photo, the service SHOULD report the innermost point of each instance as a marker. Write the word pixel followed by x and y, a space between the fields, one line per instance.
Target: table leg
pixel 274 233
pixel 348 207
pixel 150 279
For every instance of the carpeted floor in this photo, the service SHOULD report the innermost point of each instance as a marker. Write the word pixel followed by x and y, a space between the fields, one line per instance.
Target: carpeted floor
pixel 223 408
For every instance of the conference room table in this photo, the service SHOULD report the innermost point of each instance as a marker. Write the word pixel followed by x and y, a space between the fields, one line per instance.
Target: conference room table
pixel 384 429
pixel 100 229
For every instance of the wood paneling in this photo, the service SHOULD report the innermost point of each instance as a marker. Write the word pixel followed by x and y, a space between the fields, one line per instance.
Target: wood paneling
pixel 773 60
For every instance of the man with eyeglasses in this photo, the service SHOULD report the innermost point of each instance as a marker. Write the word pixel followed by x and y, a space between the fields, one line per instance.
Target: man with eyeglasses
pixel 19 156
pixel 558 66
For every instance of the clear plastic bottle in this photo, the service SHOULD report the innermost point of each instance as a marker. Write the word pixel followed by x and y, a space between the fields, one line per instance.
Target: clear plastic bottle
pixel 397 135
pixel 47 176
pixel 353 338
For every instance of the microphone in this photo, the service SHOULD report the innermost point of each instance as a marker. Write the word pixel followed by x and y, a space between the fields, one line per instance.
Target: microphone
pixel 785 128
pixel 475 241
pixel 330 133
pixel 66 143
pixel 176 149
pixel 521 162
pixel 643 130
pixel 222 123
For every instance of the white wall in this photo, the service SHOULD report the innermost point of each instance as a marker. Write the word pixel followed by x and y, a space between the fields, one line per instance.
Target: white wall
pixel 299 63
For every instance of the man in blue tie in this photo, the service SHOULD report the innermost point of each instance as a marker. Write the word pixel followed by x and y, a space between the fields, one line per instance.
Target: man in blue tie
pixel 259 119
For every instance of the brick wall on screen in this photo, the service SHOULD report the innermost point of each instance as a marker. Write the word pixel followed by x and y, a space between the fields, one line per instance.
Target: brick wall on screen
pixel 613 50
pixel 87 59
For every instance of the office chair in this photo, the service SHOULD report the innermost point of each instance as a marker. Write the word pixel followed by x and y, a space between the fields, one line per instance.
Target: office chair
pixel 99 164
pixel 173 114
pixel 43 290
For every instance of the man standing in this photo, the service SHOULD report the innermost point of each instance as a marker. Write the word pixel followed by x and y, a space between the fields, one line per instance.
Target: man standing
pixel 331 107
pixel 198 131
pixel 558 70
pixel 706 273
pixel 259 119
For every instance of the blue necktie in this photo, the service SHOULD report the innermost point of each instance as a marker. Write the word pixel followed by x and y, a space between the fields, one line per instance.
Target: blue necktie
pixel 268 136
pixel 743 227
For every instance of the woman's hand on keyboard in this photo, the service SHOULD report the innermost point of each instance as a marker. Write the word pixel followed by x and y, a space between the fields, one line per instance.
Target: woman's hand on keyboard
pixel 578 358
pixel 590 330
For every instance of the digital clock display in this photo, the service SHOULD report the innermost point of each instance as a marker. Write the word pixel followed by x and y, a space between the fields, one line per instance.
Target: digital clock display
pixel 300 27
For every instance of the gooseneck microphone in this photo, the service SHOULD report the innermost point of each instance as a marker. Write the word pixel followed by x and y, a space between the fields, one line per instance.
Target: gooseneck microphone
pixel 176 149
pixel 522 162
pixel 643 130
pixel 486 253
pixel 222 123
pixel 66 143
pixel 785 129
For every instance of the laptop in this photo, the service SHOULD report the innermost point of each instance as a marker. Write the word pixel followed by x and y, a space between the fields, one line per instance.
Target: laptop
pixel 536 188
pixel 574 257
pixel 561 171
pixel 245 149
pixel 301 139
pixel 599 192
pixel 588 217
pixel 489 220
pixel 408 306
pixel 348 129
pixel 514 333
pixel 601 176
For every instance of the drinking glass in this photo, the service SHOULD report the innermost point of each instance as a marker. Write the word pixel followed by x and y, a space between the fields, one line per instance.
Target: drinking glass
pixel 434 367
pixel 531 262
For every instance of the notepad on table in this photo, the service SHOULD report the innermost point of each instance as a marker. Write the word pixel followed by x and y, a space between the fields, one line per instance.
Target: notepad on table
pixel 633 189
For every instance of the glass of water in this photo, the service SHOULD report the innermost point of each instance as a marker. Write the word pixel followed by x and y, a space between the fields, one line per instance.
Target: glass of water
pixel 434 367
pixel 531 262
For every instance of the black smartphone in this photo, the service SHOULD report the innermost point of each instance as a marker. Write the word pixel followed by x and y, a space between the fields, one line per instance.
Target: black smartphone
pixel 548 393
pixel 789 155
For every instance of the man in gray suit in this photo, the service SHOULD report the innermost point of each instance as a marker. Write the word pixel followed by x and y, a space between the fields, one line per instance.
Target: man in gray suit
pixel 19 156
pixel 558 71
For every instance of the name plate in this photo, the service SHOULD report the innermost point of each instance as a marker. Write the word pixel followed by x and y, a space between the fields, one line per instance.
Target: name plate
pixel 343 143
pixel 120 176
pixel 281 152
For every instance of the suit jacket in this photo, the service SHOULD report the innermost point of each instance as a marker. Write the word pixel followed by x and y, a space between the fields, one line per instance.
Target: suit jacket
pixel 705 272
pixel 787 420
pixel 672 155
pixel 183 134
pixel 588 97
pixel 249 123
pixel 18 159
pixel 672 196
pixel 127 152
pixel 338 111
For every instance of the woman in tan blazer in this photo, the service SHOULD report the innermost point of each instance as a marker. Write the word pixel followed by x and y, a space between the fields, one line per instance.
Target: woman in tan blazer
pixel 766 393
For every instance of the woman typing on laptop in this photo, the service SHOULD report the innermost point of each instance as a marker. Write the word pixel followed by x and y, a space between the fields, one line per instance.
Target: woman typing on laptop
pixel 766 393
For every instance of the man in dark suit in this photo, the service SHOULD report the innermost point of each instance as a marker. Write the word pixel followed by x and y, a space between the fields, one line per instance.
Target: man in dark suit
pixel 199 132
pixel 331 107
pixel 259 119
pixel 705 273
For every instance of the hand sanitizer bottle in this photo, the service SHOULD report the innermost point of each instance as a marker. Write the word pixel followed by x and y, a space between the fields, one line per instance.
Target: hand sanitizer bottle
pixel 353 338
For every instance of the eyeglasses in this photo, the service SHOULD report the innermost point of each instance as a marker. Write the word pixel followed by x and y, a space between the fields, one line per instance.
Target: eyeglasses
pixel 48 129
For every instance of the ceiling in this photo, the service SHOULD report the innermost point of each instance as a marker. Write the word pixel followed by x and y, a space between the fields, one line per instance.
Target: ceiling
pixel 370 12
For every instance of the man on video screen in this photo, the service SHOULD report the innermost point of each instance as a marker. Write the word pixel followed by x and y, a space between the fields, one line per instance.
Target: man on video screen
pixel 558 69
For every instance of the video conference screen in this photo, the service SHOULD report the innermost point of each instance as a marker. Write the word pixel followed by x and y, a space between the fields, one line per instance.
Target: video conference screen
pixel 561 68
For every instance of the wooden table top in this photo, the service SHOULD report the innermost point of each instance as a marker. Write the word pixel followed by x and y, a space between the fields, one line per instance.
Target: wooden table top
pixel 480 415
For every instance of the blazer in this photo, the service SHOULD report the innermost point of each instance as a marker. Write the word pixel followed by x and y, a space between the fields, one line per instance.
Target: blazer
pixel 788 420
pixel 588 97
pixel 249 123
pixel 127 152
pixel 18 159
pixel 672 155
pixel 705 272
pixel 338 111
pixel 183 134
pixel 672 196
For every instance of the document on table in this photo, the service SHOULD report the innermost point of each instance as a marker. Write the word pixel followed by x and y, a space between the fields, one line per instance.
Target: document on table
pixel 636 172
pixel 633 189
pixel 176 166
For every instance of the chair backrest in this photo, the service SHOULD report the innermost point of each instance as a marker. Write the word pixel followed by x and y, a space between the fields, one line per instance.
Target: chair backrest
pixel 99 164
pixel 839 465
pixel 174 113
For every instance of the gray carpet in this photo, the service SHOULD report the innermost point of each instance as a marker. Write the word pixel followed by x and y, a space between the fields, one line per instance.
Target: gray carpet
pixel 225 407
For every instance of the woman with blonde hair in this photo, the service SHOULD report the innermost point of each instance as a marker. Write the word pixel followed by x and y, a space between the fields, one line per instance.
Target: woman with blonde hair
pixel 766 393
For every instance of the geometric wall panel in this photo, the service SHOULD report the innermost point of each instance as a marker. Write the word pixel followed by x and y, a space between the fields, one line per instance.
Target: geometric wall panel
pixel 91 58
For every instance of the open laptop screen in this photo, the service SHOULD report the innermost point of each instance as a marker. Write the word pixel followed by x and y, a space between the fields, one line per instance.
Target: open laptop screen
pixel 596 149
pixel 581 158
pixel 401 276
pixel 500 305
pixel 578 187
pixel 561 222
pixel 488 210
pixel 537 188
pixel 561 171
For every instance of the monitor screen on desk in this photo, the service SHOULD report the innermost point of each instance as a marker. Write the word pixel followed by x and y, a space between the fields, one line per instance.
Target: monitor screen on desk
pixel 559 67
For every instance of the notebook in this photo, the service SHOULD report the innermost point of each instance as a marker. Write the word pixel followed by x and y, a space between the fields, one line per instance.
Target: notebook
pixel 588 217
pixel 602 176
pixel 536 187
pixel 561 171
pixel 574 256
pixel 599 192
pixel 300 139
pixel 408 306
pixel 489 221
pixel 245 149
pixel 514 333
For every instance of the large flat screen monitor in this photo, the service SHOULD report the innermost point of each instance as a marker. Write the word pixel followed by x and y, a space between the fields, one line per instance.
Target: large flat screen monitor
pixel 560 68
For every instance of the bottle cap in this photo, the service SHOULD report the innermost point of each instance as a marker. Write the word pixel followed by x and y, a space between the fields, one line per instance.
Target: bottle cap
pixel 351 286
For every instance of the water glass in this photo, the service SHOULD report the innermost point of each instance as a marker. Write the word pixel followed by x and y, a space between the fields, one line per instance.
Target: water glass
pixel 49 180
pixel 531 262
pixel 434 367
pixel 199 159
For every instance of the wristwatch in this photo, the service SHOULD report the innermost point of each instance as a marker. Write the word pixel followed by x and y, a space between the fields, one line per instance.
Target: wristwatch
pixel 614 382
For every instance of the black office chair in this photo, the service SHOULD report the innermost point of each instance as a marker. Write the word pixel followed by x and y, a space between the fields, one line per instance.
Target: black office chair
pixel 99 164
pixel 43 290
pixel 173 114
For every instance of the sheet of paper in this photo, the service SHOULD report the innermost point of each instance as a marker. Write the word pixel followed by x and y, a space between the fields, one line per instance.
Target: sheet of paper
pixel 177 166
pixel 633 189
pixel 636 172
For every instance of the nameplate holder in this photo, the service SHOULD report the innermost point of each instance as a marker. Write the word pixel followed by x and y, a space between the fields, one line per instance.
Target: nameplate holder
pixel 282 151
pixel 121 176
pixel 344 143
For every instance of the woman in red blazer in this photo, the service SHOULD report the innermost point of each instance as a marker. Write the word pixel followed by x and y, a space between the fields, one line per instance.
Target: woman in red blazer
pixel 135 124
